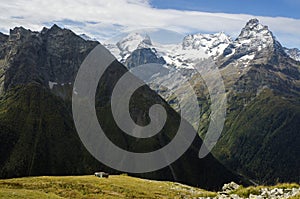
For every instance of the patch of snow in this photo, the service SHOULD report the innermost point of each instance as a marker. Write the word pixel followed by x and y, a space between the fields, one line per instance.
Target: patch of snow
pixel 51 84
pixel 248 57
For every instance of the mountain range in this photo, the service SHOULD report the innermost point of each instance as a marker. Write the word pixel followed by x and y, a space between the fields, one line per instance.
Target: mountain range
pixel 260 139
pixel 193 46
pixel 37 132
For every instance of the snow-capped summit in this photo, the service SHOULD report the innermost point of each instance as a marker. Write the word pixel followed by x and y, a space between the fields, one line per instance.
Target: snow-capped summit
pixel 132 42
pixel 255 40
pixel 211 44
pixel 123 48
pixel 253 27
pixel 255 34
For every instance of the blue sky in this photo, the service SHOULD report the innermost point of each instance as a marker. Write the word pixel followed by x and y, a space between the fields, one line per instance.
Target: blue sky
pixel 272 8
pixel 105 19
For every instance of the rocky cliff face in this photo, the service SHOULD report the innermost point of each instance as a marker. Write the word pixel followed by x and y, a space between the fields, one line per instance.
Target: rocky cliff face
pixel 254 41
pixel 43 57
pixel 143 56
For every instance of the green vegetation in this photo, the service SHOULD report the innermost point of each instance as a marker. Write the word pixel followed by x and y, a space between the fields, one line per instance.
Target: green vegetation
pixel 121 186
pixel 261 138
pixel 37 135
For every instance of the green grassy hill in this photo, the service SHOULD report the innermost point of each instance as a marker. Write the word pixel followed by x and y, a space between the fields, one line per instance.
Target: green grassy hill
pixel 116 186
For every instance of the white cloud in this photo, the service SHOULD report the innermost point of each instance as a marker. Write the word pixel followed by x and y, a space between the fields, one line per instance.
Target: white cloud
pixel 105 18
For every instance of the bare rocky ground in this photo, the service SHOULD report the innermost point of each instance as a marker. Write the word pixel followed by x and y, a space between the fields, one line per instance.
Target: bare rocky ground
pixel 235 191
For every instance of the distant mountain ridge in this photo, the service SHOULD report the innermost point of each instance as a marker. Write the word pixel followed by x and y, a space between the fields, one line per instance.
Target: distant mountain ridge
pixel 254 36
pixel 176 55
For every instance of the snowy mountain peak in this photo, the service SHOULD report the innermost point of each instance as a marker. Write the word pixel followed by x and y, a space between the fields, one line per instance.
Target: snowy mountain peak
pixel 211 44
pixel 223 37
pixel 198 41
pixel 255 31
pixel 132 42
pixel 252 23
pixel 255 40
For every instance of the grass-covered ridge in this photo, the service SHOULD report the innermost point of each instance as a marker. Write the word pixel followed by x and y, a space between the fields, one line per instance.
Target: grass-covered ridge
pixel 116 186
